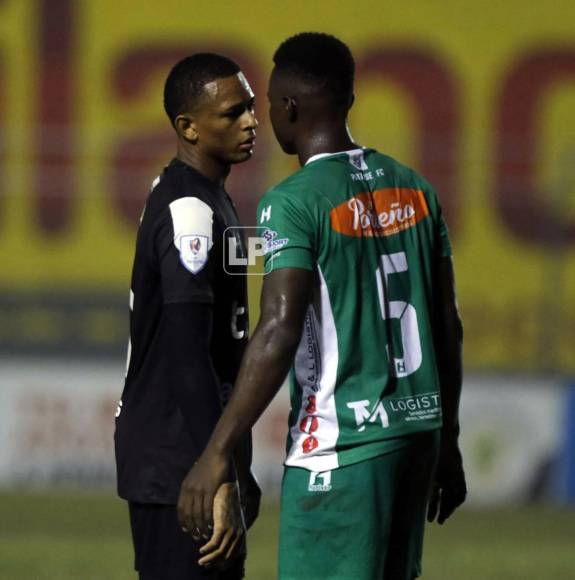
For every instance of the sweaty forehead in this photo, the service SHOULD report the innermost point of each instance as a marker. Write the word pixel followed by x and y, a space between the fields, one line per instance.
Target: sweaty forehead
pixel 228 88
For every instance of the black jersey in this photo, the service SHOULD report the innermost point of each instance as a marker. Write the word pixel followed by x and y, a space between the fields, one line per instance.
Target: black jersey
pixel 179 259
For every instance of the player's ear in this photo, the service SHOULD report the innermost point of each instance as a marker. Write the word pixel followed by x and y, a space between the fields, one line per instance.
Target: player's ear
pixel 291 108
pixel 186 128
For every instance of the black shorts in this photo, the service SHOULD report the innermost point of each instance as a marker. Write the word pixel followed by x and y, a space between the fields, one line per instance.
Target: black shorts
pixel 164 552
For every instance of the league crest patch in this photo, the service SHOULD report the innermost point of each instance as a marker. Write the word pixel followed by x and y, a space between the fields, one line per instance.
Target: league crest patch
pixel 194 252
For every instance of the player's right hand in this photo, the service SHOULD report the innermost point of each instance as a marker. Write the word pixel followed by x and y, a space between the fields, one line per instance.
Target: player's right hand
pixel 450 488
pixel 197 493
pixel 226 540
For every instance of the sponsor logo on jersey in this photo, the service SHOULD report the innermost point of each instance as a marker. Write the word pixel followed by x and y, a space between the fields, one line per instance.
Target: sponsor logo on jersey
pixel 308 359
pixel 384 212
pixel 309 444
pixel 417 408
pixel 365 412
pixel 408 409
pixel 310 407
pixel 271 243
pixel 319 481
pixel 194 252
pixel 308 424
pixel 308 376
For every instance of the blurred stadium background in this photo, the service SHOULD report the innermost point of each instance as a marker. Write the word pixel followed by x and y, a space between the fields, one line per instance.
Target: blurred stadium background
pixel 480 97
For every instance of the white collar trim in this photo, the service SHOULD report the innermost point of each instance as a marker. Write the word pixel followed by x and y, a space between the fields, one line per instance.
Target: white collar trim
pixel 323 155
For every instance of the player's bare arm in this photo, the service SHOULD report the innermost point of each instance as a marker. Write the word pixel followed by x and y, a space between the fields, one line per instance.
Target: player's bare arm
pixel 285 297
pixel 450 487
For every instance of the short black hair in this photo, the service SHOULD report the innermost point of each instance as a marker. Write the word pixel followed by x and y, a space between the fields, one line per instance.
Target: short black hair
pixel 319 59
pixel 187 79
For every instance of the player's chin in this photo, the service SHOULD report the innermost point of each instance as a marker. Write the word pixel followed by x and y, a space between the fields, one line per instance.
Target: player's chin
pixel 242 155
pixel 287 147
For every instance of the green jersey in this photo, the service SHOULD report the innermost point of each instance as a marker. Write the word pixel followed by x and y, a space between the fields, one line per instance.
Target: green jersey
pixel 365 373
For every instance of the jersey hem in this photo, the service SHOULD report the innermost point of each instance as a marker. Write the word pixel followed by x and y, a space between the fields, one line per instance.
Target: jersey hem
pixel 151 499
pixel 292 264
pixel 368 451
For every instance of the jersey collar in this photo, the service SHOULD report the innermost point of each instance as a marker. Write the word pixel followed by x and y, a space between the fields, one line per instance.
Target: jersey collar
pixel 324 155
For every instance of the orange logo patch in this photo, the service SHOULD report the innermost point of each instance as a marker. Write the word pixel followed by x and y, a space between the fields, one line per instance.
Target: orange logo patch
pixel 384 212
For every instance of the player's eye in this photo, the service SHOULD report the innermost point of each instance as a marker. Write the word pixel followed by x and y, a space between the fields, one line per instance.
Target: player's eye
pixel 239 110
pixel 233 113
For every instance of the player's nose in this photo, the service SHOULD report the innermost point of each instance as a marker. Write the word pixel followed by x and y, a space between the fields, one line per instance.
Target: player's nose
pixel 251 120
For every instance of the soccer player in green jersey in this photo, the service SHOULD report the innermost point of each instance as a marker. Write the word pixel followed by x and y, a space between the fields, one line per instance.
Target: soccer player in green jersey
pixel 360 303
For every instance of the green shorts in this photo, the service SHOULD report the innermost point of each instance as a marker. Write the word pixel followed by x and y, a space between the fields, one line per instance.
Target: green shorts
pixel 360 522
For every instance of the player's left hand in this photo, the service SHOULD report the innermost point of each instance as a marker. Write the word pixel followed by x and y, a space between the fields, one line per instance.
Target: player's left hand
pixel 228 533
pixel 450 488
pixel 197 493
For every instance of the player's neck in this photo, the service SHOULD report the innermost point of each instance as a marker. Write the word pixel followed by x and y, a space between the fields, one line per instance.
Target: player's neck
pixel 209 167
pixel 327 139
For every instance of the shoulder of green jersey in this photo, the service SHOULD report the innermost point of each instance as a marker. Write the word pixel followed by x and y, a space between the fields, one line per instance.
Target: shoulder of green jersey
pixel 298 186
pixel 192 221
pixel 297 195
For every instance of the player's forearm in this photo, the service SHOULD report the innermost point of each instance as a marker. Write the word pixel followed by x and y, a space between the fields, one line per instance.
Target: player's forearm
pixel 265 365
pixel 286 295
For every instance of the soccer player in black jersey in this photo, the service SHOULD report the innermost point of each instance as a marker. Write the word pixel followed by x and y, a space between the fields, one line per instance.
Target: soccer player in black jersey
pixel 188 331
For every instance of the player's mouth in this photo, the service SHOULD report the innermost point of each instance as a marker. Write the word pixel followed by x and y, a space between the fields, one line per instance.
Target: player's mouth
pixel 248 144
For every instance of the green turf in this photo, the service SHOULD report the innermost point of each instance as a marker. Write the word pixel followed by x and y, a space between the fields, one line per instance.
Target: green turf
pixel 86 537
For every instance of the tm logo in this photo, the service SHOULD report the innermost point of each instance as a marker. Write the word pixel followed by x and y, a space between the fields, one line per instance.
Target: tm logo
pixel 365 413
